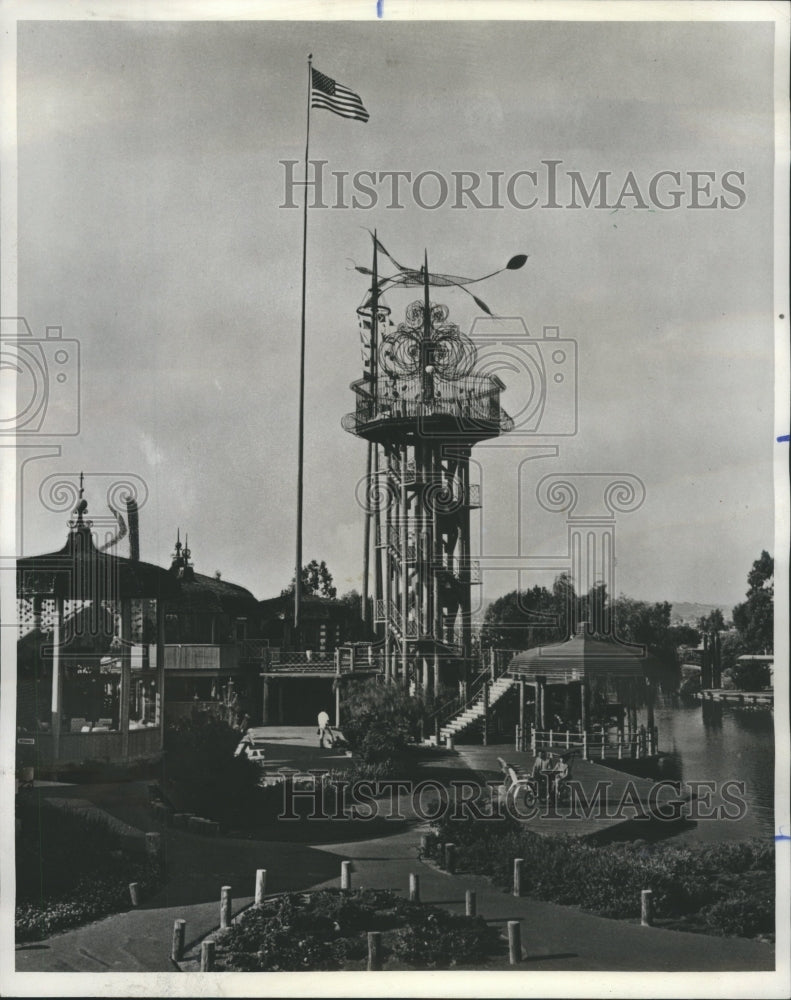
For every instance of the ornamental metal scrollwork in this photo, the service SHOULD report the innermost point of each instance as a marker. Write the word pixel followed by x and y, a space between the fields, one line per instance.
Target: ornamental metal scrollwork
pixel 452 353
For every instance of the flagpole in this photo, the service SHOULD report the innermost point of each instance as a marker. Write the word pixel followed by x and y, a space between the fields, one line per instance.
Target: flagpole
pixel 371 489
pixel 301 446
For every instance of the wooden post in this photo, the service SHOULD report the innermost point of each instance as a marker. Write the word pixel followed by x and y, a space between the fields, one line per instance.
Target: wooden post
pixel 56 703
pixel 583 706
pixel 541 703
pixel 414 888
pixel 518 876
pixel 533 739
pixel 646 908
pixel 374 951
pixel 602 746
pixel 126 673
pixel 450 858
pixel 207 956
pixel 260 886
pixel 424 839
pixel 518 738
pixel 521 713
pixel 134 893
pixel 514 942
pixel 470 903
pixel 568 737
pixel 485 713
pixel 620 748
pixel 225 906
pixel 177 948
pixel 346 875
pixel 338 703
pixel 584 745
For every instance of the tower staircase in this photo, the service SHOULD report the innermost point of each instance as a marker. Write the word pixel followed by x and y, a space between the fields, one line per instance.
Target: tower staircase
pixel 473 712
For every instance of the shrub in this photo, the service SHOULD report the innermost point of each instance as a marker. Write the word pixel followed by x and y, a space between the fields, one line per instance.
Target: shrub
pixel 70 870
pixel 328 929
pixel 714 882
pixel 440 940
pixel 380 721
pixel 199 759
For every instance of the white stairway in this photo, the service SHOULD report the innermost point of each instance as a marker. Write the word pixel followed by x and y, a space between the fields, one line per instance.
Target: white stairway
pixel 474 712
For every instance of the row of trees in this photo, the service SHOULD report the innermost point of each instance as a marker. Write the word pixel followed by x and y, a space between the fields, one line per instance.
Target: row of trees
pixel 527 618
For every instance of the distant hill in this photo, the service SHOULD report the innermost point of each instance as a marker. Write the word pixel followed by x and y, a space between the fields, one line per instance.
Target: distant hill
pixel 690 611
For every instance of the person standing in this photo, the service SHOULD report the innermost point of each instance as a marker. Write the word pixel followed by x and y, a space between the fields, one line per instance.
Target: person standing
pixel 324 731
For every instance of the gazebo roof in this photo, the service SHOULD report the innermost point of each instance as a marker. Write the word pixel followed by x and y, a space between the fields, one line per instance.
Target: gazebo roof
pixel 583 656
pixel 81 572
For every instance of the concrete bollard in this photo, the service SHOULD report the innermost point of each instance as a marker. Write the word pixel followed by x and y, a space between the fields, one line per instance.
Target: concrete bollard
pixel 514 942
pixel 154 844
pixel 471 903
pixel 450 858
pixel 346 875
pixel 134 893
pixel 449 741
pixel 207 956
pixel 374 951
pixel 414 888
pixel 518 876
pixel 647 908
pixel 225 906
pixel 179 932
pixel 260 886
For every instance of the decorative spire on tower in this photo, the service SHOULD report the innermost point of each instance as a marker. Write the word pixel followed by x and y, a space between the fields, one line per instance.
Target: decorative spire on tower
pixel 78 521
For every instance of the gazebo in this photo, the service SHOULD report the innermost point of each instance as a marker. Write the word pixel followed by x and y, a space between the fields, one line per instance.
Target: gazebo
pixel 91 655
pixel 586 675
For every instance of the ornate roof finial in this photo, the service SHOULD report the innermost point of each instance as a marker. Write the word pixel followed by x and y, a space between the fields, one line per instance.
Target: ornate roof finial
pixel 81 509
pixel 178 541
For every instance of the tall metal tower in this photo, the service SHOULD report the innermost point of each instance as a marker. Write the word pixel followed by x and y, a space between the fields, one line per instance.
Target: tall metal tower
pixel 422 407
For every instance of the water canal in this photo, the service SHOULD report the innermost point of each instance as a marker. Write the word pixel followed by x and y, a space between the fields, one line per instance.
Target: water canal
pixel 722 744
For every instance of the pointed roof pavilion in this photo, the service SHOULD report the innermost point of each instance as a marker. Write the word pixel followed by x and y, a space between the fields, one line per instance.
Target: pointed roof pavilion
pixel 81 572
pixel 584 656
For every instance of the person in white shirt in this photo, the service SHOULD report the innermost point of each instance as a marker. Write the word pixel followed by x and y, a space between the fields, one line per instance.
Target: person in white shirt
pixel 324 732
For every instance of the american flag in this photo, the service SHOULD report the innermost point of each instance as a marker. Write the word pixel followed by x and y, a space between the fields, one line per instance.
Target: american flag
pixel 326 93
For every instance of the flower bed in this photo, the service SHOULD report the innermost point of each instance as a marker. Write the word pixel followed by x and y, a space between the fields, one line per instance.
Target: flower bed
pixel 328 930
pixel 70 870
pixel 727 888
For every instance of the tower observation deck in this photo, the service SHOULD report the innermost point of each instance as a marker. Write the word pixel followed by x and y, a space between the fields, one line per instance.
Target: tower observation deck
pixel 422 407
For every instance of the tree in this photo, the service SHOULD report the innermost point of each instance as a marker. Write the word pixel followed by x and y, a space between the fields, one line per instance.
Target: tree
pixel 754 618
pixel 380 721
pixel 316 581
pixel 712 622
pixel 523 619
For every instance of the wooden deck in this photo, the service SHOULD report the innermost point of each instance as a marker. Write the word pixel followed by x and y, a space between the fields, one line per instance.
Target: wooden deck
pixel 617 787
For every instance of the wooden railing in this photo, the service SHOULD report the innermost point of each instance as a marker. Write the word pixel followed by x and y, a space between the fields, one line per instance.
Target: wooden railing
pixel 592 745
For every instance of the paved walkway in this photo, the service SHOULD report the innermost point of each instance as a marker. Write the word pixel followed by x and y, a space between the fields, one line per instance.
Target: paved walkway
pixel 383 853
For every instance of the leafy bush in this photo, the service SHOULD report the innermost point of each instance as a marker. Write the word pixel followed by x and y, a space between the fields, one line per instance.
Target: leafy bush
pixel 328 930
pixel 714 882
pixel 199 759
pixel 749 675
pixel 380 721
pixel 70 870
pixel 440 940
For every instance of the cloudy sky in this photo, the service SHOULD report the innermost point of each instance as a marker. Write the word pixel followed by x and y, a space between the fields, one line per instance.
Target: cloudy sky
pixel 150 229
